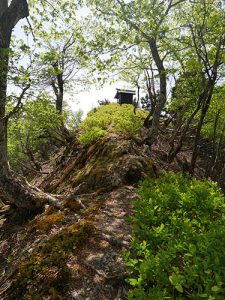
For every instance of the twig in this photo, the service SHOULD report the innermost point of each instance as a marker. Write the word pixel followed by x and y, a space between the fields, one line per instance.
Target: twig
pixel 19 103
pixel 31 29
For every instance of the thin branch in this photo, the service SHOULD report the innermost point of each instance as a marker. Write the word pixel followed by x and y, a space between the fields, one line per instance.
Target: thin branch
pixel 178 2
pixel 31 29
pixel 19 103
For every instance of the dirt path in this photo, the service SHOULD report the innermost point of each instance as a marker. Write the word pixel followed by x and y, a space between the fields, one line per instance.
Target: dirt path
pixel 96 267
pixel 98 270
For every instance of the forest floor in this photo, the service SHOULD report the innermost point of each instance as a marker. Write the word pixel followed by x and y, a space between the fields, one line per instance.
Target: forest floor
pixel 77 252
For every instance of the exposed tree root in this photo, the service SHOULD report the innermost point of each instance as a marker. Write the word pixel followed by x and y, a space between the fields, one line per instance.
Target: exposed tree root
pixel 15 190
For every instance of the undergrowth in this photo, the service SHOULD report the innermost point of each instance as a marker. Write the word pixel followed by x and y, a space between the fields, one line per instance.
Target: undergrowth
pixel 114 118
pixel 178 240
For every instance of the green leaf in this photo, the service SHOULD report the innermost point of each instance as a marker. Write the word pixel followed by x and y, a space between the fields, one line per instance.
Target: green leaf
pixel 216 289
pixel 179 288
pixel 133 281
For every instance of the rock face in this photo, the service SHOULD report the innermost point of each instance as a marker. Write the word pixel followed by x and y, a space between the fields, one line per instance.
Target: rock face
pixel 105 165
pixel 76 253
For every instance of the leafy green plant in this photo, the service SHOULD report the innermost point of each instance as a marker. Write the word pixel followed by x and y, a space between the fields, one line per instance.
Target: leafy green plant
pixel 178 240
pixel 216 109
pixel 29 129
pixel 36 128
pixel 114 118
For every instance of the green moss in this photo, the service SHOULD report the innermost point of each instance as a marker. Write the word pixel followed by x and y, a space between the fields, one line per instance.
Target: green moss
pixel 100 158
pixel 44 223
pixel 73 205
pixel 45 272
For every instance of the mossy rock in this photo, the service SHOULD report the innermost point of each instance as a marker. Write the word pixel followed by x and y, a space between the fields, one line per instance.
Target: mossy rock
pixel 74 205
pixel 103 166
pixel 45 273
pixel 112 163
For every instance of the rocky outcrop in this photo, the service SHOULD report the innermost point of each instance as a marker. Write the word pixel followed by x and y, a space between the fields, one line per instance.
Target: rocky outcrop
pixel 104 165
pixel 76 252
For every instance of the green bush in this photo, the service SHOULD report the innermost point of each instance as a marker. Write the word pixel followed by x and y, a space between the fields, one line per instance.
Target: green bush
pixel 178 240
pixel 115 118
pixel 37 126
pixel 29 130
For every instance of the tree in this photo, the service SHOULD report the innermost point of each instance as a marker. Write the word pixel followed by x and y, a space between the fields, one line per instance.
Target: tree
pixel 34 134
pixel 214 130
pixel 149 22
pixel 204 39
pixel 14 189
pixel 60 48
pixel 185 39
pixel 9 17
pixel 137 69
pixel 208 41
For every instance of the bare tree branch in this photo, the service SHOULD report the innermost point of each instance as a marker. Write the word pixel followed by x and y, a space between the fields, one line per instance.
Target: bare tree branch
pixel 19 103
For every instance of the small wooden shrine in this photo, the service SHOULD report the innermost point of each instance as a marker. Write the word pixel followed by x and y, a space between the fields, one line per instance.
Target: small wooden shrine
pixel 124 96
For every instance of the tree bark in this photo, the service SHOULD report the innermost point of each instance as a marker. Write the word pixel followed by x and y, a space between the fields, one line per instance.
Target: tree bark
pixel 161 101
pixel 3 121
pixel 13 188
pixel 3 6
pixel 60 96
pixel 58 89
pixel 204 110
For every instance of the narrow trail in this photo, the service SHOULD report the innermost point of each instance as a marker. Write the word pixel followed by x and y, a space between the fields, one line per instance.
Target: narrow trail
pixel 99 262
pixel 97 269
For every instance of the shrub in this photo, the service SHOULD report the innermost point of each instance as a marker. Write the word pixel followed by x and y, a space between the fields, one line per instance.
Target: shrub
pixel 28 130
pixel 178 240
pixel 113 117
pixel 36 129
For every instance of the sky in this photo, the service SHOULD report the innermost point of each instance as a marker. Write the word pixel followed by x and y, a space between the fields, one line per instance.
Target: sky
pixel 89 99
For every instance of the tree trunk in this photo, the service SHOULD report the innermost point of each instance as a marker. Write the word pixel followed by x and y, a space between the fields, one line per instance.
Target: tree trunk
pixel 205 107
pixel 151 92
pixel 3 121
pixel 214 146
pixel 161 101
pixel 176 149
pixel 60 95
pixel 9 16
pixel 3 6
pixel 178 121
pixel 4 167
pixel 13 188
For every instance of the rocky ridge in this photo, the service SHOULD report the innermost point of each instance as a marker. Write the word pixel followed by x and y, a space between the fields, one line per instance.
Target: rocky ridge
pixel 76 253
